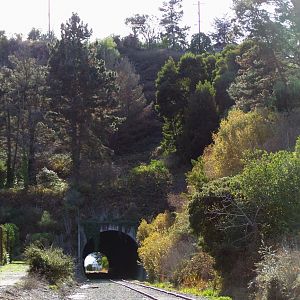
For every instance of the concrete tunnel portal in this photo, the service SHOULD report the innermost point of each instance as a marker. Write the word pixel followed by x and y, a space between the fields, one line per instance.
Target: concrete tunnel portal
pixel 121 252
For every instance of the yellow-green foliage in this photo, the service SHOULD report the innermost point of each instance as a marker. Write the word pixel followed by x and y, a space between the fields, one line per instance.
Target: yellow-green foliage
pixel 238 134
pixel 155 242
pixel 166 247
pixel 61 164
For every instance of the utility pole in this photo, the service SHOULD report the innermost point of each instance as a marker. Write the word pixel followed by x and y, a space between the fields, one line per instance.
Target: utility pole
pixel 49 18
pixel 199 17
pixel 199 25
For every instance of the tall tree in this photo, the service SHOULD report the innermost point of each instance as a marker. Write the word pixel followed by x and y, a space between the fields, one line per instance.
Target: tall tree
pixel 200 43
pixel 200 121
pixel 191 70
pixel 25 102
pixel 270 66
pixel 106 49
pixel 145 28
pixel 224 74
pixel 225 33
pixel 82 88
pixel 174 35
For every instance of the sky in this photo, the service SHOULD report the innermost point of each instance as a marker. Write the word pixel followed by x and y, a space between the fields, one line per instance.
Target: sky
pixel 105 17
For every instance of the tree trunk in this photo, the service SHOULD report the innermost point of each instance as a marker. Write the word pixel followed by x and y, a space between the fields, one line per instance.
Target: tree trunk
pixel 75 152
pixel 9 169
pixel 31 150
pixel 14 162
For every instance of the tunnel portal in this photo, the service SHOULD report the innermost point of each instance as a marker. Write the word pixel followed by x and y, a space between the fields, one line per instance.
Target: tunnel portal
pixel 120 250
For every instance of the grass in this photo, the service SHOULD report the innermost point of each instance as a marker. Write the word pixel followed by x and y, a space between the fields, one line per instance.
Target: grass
pixel 209 293
pixel 14 267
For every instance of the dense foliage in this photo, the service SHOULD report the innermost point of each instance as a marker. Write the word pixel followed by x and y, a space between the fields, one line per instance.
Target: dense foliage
pixel 106 128
pixel 50 263
pixel 9 242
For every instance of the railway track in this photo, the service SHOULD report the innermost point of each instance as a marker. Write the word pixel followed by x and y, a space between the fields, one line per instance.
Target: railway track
pixel 152 292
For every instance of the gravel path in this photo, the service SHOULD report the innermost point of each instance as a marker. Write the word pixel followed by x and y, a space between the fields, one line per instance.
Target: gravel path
pixel 106 290
pixel 9 278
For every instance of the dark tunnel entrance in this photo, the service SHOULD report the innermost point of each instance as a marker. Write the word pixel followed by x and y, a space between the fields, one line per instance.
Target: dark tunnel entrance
pixel 121 252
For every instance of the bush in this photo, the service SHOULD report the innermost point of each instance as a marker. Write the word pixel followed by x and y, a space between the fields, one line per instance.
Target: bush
pixel 43 239
pixel 197 272
pixel 166 248
pixel 61 164
pixel 151 182
pixel 154 244
pixel 9 242
pixel 49 179
pixel 238 133
pixel 51 263
pixel 278 274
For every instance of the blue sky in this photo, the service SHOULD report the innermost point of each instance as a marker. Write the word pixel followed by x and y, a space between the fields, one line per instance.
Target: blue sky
pixel 104 17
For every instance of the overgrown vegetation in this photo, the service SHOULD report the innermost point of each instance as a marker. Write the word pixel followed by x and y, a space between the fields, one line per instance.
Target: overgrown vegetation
pixel 105 128
pixel 50 263
pixel 9 243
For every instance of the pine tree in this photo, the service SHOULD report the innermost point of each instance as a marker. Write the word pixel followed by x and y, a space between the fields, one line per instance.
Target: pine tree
pixel 82 90
pixel 174 35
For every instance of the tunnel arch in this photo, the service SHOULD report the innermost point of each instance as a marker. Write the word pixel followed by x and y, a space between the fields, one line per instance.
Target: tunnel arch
pixel 121 251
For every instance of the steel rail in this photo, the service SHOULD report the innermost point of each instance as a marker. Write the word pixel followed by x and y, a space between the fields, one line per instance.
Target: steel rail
pixel 181 296
pixel 128 284
pixel 135 290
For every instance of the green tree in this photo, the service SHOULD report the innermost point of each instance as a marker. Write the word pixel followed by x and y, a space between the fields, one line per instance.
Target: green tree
pixel 82 89
pixel 174 34
pixel 238 134
pixel 34 34
pixel 200 121
pixel 130 95
pixel 25 102
pixel 145 28
pixel 225 72
pixel 106 49
pixel 169 95
pixel 170 103
pixel 4 49
pixel 224 32
pixel 273 59
pixel 200 43
pixel 191 71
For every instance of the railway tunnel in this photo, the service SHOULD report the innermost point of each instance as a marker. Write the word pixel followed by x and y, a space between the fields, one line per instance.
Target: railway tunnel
pixel 120 248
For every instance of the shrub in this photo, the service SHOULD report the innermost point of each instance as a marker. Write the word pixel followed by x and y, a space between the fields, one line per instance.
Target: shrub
pixel 154 244
pixel 9 242
pixel 47 221
pixel 61 164
pixel 169 253
pixel 49 179
pixel 51 263
pixel 197 272
pixel 196 178
pixel 43 239
pixel 238 133
pixel 277 200
pixel 151 182
pixel 278 274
